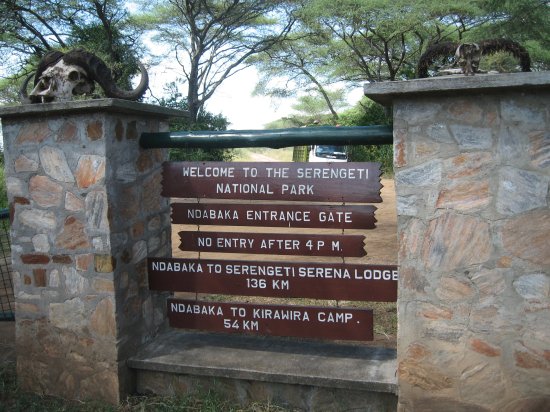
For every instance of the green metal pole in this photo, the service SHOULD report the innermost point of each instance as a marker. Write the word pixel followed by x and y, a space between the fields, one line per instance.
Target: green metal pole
pixel 276 138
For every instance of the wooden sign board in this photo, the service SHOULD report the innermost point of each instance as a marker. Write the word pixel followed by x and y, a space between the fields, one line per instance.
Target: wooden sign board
pixel 273 243
pixel 326 182
pixel 308 216
pixel 273 320
pixel 377 283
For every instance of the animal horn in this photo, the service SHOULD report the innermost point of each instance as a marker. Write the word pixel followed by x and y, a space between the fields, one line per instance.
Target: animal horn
pixel 23 90
pixel 99 72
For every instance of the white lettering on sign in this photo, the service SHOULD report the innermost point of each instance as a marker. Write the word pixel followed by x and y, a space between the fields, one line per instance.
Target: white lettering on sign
pixel 196 171
pixel 378 275
pixel 297 189
pixel 279 216
pixel 260 270
pixel 280 244
pixel 226 242
pixel 243 188
pixel 339 217
pixel 278 172
pixel 331 173
pixel 196 309
pixel 280 314
pixel 324 272
pixel 212 214
pixel 192 267
pixel 330 317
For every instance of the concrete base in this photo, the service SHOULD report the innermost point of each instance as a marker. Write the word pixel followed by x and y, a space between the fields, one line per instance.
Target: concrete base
pixel 308 375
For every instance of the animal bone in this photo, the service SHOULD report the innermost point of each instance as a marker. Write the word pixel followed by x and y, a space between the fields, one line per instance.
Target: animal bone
pixel 60 76
pixel 62 82
pixel 468 56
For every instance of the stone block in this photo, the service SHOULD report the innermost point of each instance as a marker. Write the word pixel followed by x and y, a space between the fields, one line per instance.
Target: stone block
pixel 526 236
pixel 535 286
pixel 427 174
pixel 55 164
pixel 90 170
pixel 472 138
pixel 94 130
pixel 456 241
pixel 67 132
pixel 45 191
pixel 25 164
pixel 38 219
pixel 104 263
pixel 539 149
pixel 465 196
pixel 72 235
pixel 520 191
pixel 33 132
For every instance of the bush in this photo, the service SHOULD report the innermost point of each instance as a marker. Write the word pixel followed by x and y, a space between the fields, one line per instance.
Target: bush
pixel 368 113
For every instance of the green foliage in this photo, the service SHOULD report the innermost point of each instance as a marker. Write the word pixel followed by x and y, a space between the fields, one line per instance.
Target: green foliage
pixel 205 121
pixel 215 39
pixel 117 49
pixel 367 113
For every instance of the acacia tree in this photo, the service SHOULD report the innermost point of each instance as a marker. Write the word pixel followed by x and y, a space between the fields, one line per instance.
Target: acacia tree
pixel 214 39
pixel 298 65
pixel 30 28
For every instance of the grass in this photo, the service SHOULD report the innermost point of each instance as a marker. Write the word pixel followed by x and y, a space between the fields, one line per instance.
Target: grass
pixel 12 398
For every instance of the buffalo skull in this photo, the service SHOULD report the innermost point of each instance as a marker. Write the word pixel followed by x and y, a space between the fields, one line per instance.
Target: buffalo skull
pixel 61 82
pixel 61 76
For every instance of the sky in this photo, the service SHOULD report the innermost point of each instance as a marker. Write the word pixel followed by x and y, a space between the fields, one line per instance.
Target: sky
pixel 234 98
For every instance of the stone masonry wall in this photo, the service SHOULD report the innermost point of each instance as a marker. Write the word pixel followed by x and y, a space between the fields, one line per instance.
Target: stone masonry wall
pixel 86 212
pixel 472 172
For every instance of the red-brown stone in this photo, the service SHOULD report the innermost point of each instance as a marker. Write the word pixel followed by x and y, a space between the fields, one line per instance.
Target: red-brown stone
pixel 67 133
pixel 399 158
pixel 144 162
pixel 90 170
pixel 465 196
pixel 480 346
pixel 456 241
pixel 131 131
pixel 83 262
pixel 39 276
pixel 35 259
pixel 62 259
pixel 94 130
pixel 45 191
pixel 530 360
pixel 72 235
pixel 467 164
pixel 33 133
pixel 19 200
pixel 527 237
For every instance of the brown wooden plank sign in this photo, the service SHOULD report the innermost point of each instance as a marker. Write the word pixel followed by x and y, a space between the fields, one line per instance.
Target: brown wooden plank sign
pixel 328 182
pixel 273 320
pixel 377 283
pixel 306 216
pixel 273 243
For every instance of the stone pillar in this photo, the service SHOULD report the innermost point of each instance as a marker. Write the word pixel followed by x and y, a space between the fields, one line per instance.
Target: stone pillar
pixel 86 212
pixel 472 169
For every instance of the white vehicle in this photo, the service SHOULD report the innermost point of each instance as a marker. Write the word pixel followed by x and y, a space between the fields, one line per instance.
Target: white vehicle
pixel 328 153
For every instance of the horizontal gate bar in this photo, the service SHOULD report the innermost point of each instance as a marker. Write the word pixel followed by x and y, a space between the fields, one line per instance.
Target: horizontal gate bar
pixel 275 138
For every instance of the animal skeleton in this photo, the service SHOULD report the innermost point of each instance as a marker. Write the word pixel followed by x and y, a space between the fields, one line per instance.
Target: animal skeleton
pixel 61 76
pixel 468 55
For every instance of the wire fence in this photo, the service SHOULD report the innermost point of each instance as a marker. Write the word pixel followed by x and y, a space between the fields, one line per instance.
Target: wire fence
pixel 7 299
